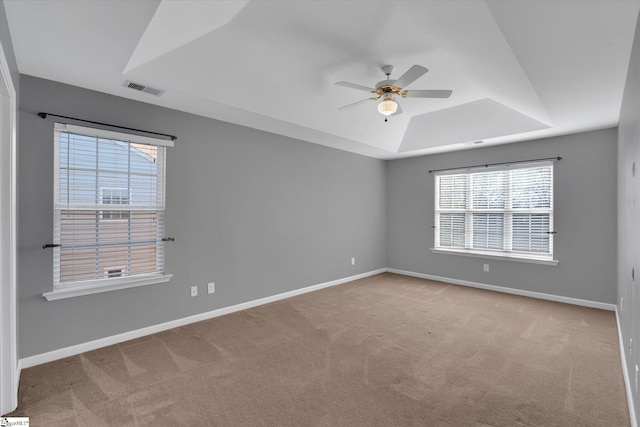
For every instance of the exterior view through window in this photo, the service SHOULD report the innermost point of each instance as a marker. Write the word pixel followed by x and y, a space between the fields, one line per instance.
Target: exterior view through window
pixel 500 211
pixel 115 196
pixel 109 207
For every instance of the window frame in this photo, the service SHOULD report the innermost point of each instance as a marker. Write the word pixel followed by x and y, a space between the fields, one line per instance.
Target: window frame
pixel 63 290
pixel 506 253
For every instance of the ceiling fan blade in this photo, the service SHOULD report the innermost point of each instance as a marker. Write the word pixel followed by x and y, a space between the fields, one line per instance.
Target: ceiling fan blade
pixel 426 93
pixel 410 76
pixel 357 103
pixel 355 86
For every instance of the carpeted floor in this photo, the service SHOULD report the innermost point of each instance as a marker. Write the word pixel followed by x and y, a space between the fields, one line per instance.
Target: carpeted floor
pixel 387 350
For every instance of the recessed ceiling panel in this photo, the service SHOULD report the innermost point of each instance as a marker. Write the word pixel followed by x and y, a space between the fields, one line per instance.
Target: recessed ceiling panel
pixel 469 122
pixel 177 23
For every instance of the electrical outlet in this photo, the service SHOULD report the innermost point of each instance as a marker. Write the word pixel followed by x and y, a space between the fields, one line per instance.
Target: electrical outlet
pixel 630 346
pixel 211 287
pixel 194 291
pixel 486 267
pixel 353 261
pixel 621 304
pixel 636 379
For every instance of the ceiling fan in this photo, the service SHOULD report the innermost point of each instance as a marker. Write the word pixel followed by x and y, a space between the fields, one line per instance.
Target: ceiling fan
pixel 388 89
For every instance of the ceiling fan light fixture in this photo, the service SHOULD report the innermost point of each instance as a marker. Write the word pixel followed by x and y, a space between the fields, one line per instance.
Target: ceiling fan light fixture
pixel 387 107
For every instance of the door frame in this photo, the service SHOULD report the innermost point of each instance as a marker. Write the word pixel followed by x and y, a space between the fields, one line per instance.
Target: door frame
pixel 9 371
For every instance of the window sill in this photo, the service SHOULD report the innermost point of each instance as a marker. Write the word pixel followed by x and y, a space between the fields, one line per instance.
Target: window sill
pixel 504 257
pixel 95 287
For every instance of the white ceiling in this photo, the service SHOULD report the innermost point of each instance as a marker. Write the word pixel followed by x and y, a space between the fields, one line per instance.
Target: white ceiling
pixel 519 69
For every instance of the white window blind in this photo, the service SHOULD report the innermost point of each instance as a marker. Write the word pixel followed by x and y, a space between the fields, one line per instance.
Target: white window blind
pixel 505 210
pixel 109 207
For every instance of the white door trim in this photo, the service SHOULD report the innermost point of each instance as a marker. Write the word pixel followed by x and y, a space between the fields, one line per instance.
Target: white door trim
pixel 8 224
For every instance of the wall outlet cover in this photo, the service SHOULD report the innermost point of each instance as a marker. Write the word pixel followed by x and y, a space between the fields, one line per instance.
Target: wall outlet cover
pixel 194 291
pixel 211 287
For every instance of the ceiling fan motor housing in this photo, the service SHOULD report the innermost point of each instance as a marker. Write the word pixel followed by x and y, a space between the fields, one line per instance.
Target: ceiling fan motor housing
pixel 386 86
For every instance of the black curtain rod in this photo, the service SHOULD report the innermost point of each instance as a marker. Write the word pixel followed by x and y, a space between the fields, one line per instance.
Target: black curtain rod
pixel 495 164
pixel 57 245
pixel 44 116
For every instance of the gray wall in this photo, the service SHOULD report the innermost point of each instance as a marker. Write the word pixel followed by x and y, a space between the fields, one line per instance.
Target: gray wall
pixel 584 217
pixel 262 214
pixel 629 216
pixel 259 214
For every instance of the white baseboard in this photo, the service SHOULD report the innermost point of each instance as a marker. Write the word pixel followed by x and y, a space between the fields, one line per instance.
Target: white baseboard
pixel 61 353
pixel 50 356
pixel 625 374
pixel 539 295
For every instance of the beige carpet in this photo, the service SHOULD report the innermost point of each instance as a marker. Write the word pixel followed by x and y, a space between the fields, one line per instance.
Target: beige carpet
pixel 387 350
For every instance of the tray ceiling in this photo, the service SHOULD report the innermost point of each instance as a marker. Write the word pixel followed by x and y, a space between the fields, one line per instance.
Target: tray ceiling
pixel 518 70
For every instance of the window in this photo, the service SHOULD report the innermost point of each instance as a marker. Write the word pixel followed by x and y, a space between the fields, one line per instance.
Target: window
pixel 109 205
pixel 115 196
pixel 500 211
